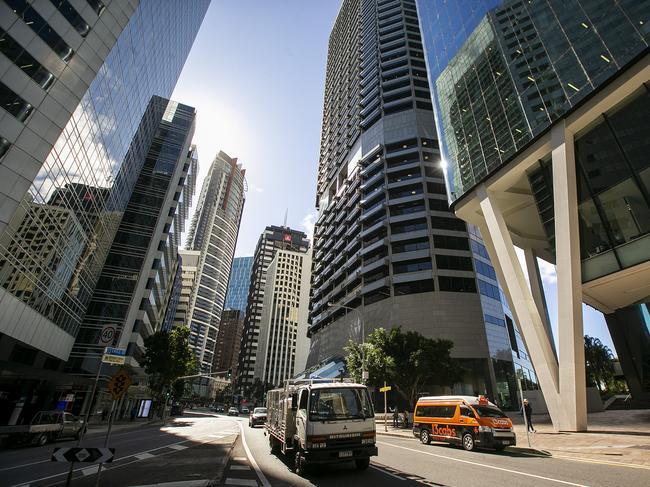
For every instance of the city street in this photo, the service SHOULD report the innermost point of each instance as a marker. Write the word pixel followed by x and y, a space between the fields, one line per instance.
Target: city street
pixel 200 448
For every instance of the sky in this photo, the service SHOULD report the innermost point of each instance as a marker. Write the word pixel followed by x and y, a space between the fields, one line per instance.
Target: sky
pixel 256 76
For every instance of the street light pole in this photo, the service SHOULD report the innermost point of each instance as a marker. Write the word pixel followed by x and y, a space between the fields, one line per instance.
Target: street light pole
pixel 364 372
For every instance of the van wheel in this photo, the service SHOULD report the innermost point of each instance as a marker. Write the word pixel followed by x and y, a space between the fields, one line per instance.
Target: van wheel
pixel 362 463
pixel 425 437
pixel 468 442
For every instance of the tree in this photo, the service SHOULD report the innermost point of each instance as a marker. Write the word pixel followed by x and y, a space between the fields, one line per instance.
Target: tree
pixel 167 357
pixel 599 363
pixel 407 360
pixel 257 390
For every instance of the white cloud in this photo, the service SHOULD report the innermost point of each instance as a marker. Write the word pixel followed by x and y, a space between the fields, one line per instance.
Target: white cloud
pixel 547 272
pixel 307 223
pixel 255 188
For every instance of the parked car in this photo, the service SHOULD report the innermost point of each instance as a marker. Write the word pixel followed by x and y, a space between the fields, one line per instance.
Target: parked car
pixel 233 412
pixel 258 416
pixel 46 426
pixel 245 410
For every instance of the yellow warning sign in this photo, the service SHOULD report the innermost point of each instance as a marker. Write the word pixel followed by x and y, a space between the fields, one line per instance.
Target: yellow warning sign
pixel 119 384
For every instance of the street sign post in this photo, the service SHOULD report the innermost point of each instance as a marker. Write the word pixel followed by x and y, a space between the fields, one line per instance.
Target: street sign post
pixel 119 384
pixel 385 389
pixel 115 356
pixel 104 455
pixel 107 335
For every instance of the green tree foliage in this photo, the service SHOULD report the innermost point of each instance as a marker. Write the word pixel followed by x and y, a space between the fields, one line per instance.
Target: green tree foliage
pixel 256 391
pixel 167 357
pixel 405 360
pixel 599 363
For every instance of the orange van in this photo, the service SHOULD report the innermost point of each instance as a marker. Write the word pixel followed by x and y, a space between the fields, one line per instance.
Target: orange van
pixel 468 421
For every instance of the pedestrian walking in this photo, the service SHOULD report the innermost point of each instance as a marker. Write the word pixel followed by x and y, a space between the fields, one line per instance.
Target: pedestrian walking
pixel 406 419
pixel 528 412
pixel 395 418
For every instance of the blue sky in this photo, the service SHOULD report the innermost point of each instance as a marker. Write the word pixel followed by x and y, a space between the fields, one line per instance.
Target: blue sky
pixel 256 76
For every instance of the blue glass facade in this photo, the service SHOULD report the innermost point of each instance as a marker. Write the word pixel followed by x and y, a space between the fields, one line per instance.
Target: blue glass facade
pixel 240 280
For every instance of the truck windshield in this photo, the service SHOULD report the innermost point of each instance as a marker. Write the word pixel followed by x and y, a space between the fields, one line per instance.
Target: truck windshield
pixel 339 403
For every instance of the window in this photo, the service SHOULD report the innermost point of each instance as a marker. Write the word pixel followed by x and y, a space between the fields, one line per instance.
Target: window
pixel 485 269
pixel 415 287
pixel 489 290
pixel 72 16
pixel 14 104
pixel 454 224
pixel 466 412
pixel 438 205
pixel 412 266
pixel 436 411
pixel 410 245
pixel 453 243
pixel 41 28
pixel 480 249
pixel 454 262
pixel 21 58
pixel 457 284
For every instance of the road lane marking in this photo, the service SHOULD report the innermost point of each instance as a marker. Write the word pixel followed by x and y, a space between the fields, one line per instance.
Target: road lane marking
pixel 251 459
pixel 525 474
pixel 603 462
pixel 387 472
pixel 240 459
pixel 178 447
pixel 90 470
pixel 247 482
pixel 24 465
pixel 143 456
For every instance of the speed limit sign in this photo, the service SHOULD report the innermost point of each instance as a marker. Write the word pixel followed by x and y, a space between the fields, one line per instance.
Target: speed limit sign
pixel 107 335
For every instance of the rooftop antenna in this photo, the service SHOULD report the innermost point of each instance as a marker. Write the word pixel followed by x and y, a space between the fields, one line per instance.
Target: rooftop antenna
pixel 285 217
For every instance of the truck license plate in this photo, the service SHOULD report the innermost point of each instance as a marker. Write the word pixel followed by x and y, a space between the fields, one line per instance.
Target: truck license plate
pixel 347 453
pixel 506 442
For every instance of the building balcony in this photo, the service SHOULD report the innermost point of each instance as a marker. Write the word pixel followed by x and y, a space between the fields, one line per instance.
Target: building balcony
pixel 378 162
pixel 373 266
pixel 374 246
pixel 372 180
pixel 373 286
pixel 373 228
pixel 373 210
pixel 413 276
pixel 402 166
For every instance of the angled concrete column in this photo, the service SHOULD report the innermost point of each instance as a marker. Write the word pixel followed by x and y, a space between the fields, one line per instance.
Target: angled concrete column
pixel 511 276
pixel 573 389
pixel 537 288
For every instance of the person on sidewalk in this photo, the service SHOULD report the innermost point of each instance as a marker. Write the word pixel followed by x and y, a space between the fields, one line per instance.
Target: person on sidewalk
pixel 395 418
pixel 528 412
pixel 406 419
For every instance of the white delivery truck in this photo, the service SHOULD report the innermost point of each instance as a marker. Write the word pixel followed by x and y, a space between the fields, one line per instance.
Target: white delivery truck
pixel 321 421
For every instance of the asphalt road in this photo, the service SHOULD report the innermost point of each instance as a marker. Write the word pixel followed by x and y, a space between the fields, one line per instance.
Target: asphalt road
pixel 405 462
pixel 143 455
pixel 200 447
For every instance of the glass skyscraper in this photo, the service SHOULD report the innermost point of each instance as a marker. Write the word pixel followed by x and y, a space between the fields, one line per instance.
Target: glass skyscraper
pixel 386 242
pixel 80 167
pixel 240 281
pixel 544 113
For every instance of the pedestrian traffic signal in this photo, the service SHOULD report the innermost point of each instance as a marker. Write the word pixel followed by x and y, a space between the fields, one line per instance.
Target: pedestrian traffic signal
pixel 229 374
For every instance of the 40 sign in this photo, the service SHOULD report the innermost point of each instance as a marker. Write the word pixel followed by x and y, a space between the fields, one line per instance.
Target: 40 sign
pixel 119 384
pixel 107 335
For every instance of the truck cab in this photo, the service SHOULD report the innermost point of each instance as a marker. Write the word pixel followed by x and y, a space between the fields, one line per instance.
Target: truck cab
pixel 322 422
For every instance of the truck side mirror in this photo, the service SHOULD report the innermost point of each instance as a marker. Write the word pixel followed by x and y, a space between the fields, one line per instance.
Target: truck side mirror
pixel 294 402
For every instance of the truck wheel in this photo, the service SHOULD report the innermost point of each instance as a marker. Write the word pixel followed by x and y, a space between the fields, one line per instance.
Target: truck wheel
pixel 425 438
pixel 362 463
pixel 468 442
pixel 42 439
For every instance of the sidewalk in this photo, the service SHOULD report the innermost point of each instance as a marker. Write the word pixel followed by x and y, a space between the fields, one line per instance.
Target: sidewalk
pixel 615 437
pixel 102 427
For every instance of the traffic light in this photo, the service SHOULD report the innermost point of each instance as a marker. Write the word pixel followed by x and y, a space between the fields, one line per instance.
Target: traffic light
pixel 229 374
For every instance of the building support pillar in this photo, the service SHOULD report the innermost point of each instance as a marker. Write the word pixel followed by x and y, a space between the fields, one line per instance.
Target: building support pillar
pixel 573 390
pixel 501 249
pixel 537 288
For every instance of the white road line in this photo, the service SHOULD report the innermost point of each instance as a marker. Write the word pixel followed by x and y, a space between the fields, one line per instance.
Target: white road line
pixel 24 465
pixel 387 472
pixel 240 459
pixel 178 447
pixel 90 470
pixel 525 474
pixel 239 467
pixel 143 456
pixel 249 483
pixel 252 461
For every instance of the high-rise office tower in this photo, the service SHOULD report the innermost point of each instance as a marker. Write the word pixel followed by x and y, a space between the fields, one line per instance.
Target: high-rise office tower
pixel 272 239
pixel 213 232
pixel 136 282
pixel 67 141
pixel 545 116
pixel 189 268
pixel 283 342
pixel 386 243
pixel 226 354
pixel 238 284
